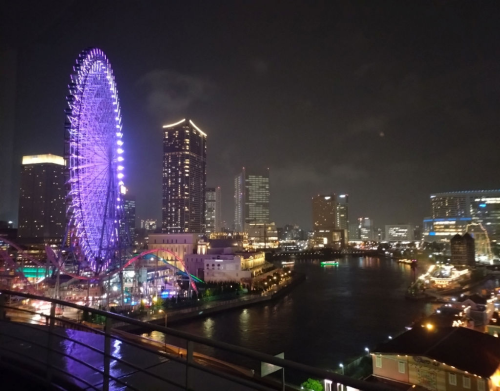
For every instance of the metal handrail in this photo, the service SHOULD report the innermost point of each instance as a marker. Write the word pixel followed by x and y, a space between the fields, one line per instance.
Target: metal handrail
pixel 320 373
pixel 127 363
pixel 52 366
pixel 72 358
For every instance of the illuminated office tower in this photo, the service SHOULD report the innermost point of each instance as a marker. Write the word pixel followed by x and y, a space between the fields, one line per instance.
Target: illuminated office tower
pixel 213 215
pixel 342 214
pixel 42 205
pixel 252 201
pixel 184 178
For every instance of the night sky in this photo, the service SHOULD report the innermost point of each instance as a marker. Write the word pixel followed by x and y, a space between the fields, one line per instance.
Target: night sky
pixel 387 101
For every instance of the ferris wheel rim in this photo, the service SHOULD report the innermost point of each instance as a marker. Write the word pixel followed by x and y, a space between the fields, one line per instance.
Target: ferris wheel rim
pixel 95 154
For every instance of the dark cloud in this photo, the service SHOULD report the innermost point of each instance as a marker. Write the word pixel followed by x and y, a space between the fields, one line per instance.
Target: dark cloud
pixel 304 88
pixel 259 66
pixel 169 92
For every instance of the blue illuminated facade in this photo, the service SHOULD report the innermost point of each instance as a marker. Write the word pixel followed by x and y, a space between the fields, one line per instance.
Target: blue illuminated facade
pixel 453 212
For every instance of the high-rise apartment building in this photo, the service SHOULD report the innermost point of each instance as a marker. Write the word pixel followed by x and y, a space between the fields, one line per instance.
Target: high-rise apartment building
pixel 331 219
pixel 42 199
pixel 213 214
pixel 455 212
pixel 324 209
pixel 252 198
pixel 184 178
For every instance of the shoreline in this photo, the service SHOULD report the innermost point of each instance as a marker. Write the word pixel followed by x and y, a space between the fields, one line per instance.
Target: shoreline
pixel 188 314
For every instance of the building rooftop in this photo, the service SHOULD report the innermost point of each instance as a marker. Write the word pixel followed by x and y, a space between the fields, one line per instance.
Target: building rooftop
pixel 181 122
pixel 464 192
pixel 41 159
pixel 462 348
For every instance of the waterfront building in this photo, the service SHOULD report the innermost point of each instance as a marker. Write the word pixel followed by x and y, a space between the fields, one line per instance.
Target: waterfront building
pixel 262 235
pixel 327 215
pixel 399 233
pixel 184 178
pixel 170 246
pixel 226 264
pixel 213 213
pixel 252 198
pixel 440 358
pixel 463 250
pixel 454 212
pixel 443 229
pixel 42 198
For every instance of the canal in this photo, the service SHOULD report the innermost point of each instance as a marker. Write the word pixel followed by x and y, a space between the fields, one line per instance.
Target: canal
pixel 331 317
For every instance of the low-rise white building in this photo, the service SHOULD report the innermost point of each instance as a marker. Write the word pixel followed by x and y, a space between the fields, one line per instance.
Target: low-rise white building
pixel 225 265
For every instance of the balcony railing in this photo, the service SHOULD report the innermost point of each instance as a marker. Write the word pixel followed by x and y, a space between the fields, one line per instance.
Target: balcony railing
pixel 53 344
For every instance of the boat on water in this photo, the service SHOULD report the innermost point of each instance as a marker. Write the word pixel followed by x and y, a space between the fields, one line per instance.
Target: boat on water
pixel 329 263
pixel 288 263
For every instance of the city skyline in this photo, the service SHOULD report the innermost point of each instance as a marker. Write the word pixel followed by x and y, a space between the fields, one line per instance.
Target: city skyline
pixel 369 104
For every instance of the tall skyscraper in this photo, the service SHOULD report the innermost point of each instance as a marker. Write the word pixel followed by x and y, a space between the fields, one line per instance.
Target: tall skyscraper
pixel 213 215
pixel 324 209
pixel 342 218
pixel 184 178
pixel 330 220
pixel 42 199
pixel 252 198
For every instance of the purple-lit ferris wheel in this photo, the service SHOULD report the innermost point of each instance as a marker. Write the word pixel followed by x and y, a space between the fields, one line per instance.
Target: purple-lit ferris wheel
pixel 95 162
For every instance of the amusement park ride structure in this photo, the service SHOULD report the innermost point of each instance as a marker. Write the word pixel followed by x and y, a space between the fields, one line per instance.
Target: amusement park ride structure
pixel 96 238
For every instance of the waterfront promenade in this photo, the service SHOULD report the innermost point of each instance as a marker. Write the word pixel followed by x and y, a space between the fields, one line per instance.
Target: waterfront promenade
pixel 169 317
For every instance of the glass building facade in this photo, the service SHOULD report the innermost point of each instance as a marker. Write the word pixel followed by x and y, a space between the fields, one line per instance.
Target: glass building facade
pixel 213 213
pixel 42 198
pixel 184 178
pixel 252 198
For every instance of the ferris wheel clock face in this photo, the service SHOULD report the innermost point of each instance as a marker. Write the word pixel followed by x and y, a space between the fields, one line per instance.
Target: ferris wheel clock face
pixel 95 160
